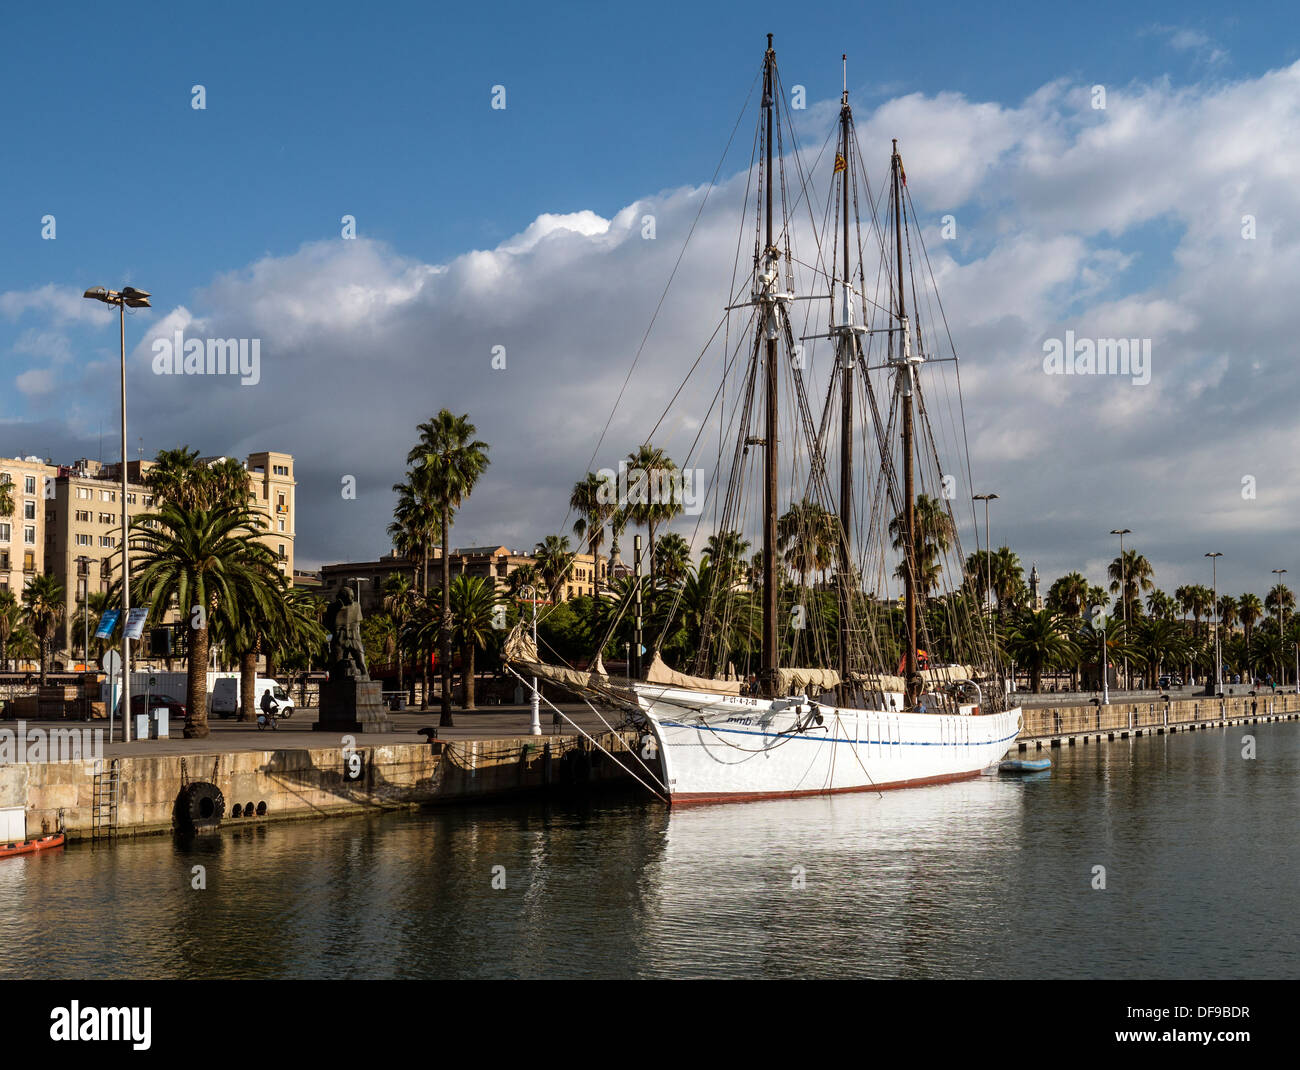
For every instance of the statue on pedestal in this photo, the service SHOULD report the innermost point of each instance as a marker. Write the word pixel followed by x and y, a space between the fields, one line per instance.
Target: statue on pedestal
pixel 347 651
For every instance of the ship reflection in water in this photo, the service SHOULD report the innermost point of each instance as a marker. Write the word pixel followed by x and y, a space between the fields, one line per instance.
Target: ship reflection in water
pixel 992 877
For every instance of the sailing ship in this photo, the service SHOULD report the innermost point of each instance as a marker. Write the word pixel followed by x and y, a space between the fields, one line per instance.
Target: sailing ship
pixel 877 711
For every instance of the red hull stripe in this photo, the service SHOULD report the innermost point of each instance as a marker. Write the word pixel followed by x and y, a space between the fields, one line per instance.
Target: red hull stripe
pixel 704 798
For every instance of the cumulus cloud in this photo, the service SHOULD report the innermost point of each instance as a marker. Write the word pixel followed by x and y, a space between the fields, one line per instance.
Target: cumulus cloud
pixel 1122 223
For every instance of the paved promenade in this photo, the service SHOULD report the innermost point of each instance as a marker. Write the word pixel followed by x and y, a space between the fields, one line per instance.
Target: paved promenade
pixel 295 733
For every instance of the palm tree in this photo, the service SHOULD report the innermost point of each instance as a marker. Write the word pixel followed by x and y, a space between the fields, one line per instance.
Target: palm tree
pixel 1161 605
pixel 452 460
pixel 1039 640
pixel 399 603
pixel 1008 577
pixel 672 559
pixel 254 620
pixel 204 560
pixel 1135 572
pixel 1249 610
pixel 1069 595
pixel 300 643
pixel 23 645
pixel 10 616
pixel 554 563
pixel 806 537
pixel 44 608
pixel 178 477
pixel 934 536
pixel 594 513
pixel 1227 610
pixel 523 576
pixel 725 551
pixel 91 609
pixel 1202 602
pixel 414 526
pixel 1158 640
pixel 657 505
pixel 1279 600
pixel 7 497
pixel 473 605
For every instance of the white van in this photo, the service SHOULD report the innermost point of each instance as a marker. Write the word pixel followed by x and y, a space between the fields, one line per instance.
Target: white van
pixel 225 697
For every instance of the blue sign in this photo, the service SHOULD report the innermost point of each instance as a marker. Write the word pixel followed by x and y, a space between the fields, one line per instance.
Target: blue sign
pixel 107 622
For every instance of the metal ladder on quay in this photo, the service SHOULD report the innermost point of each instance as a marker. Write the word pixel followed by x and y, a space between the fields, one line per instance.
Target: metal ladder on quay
pixel 107 786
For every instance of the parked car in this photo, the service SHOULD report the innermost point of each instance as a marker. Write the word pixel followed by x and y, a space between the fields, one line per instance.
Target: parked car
pixel 1169 680
pixel 174 707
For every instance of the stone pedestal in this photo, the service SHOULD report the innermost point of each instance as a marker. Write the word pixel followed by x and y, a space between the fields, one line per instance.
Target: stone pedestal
pixel 352 705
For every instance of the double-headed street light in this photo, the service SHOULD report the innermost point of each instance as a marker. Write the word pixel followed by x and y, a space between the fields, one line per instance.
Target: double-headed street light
pixel 1218 658
pixel 127 297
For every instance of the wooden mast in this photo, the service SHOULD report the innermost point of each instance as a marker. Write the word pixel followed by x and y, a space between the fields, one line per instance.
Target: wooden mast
pixel 768 275
pixel 911 678
pixel 847 354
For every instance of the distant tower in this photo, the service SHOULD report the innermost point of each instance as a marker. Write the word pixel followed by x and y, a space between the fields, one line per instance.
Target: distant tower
pixel 1034 599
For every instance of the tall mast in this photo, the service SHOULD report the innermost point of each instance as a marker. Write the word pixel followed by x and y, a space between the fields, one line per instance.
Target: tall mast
pixel 847 354
pixel 768 277
pixel 904 352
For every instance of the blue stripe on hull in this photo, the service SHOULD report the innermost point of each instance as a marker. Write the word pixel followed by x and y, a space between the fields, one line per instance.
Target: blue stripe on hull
pixel 832 739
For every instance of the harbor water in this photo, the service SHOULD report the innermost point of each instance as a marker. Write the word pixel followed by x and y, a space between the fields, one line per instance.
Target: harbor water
pixel 996 877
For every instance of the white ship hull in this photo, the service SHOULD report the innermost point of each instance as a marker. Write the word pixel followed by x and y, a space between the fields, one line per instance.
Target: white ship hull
pixel 726 748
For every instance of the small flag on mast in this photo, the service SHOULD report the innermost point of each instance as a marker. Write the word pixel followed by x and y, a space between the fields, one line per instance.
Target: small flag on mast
pixel 840 164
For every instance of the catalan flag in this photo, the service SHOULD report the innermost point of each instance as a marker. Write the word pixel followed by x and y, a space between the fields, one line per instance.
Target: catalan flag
pixel 840 164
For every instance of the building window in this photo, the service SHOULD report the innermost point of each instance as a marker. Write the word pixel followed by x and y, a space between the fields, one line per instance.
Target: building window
pixel 106 518
pixel 105 570
pixel 130 499
pixel 281 525
pixel 4 560
pixel 29 562
pixel 108 495
pixel 4 533
pixel 84 540
pixel 29 535
pixel 29 510
pixel 148 501
pixel 29 485
pixel 83 492
pixel 281 555
pixel 107 540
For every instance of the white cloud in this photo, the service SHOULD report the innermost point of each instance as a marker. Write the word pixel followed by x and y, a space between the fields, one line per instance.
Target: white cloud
pixel 360 342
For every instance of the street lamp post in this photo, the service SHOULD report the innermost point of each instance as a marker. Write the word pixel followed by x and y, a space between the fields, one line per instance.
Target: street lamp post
pixel 1281 628
pixel 127 297
pixel 1218 657
pixel 1123 595
pixel 988 552
pixel 535 724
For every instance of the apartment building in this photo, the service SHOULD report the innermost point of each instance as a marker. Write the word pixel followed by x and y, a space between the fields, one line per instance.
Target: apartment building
pixel 495 563
pixel 83 520
pixel 22 531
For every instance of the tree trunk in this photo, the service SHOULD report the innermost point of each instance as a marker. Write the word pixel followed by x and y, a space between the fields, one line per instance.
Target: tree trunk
pixel 467 678
pixel 196 686
pixel 420 651
pixel 248 685
pixel 444 636
pixel 45 653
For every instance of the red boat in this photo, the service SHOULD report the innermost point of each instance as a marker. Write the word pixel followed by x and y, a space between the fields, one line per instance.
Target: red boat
pixel 54 839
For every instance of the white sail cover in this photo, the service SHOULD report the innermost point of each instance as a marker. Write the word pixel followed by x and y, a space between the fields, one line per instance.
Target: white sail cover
pixel 659 673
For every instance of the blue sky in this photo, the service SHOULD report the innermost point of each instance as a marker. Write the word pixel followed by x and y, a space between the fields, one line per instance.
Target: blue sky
pixel 314 111
pixel 317 110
